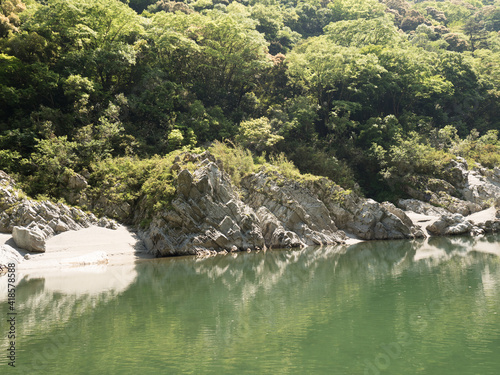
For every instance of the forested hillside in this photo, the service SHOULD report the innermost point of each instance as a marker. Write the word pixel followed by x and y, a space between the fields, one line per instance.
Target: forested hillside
pixel 371 94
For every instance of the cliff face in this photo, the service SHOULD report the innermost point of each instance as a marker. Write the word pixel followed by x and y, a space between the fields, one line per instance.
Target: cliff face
pixel 324 206
pixel 209 214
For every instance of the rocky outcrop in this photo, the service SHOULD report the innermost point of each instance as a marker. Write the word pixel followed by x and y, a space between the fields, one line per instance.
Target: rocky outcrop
pixel 482 187
pixel 442 196
pixel 275 234
pixel 205 216
pixel 420 207
pixel 209 215
pixel 33 222
pixel 460 190
pixel 76 192
pixel 364 218
pixel 290 213
pixel 464 192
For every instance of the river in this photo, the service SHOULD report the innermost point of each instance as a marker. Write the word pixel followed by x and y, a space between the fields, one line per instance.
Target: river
pixel 384 307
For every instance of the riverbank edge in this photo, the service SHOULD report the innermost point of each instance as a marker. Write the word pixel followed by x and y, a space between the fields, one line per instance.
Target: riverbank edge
pixel 73 250
pixel 210 215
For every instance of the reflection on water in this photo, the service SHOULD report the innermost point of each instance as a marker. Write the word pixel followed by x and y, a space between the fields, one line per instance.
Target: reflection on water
pixel 398 307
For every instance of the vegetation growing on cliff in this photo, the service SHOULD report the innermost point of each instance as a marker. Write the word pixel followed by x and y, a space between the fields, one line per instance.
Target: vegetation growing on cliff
pixel 368 93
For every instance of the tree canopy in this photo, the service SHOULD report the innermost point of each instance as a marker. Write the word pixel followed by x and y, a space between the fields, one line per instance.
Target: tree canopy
pixel 354 83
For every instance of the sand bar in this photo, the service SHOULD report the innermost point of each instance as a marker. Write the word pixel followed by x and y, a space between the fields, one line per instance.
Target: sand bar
pixel 86 247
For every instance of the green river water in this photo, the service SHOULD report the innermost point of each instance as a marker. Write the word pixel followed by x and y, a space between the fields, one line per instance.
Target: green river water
pixel 388 307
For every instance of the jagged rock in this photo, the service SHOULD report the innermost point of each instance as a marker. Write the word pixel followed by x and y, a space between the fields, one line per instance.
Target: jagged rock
pixel 362 217
pixel 29 239
pixel 58 226
pixel 73 191
pixel 184 182
pixel 206 215
pixel 460 190
pixel 295 207
pixel 482 186
pixel 464 191
pixel 401 215
pixel 274 233
pixel 420 207
pixel 454 205
pixel 451 225
pixel 456 172
pixel 373 221
pixel 37 221
pixel 440 195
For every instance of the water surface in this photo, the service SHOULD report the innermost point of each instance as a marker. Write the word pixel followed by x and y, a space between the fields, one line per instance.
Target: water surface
pixel 389 307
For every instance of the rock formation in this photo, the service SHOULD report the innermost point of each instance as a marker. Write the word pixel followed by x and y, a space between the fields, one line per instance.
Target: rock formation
pixel 465 192
pixel 32 222
pixel 209 214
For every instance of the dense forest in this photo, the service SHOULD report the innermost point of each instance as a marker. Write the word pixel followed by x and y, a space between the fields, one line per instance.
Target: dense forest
pixel 368 93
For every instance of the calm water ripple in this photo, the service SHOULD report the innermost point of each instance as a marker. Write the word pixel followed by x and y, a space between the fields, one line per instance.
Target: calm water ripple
pixel 399 307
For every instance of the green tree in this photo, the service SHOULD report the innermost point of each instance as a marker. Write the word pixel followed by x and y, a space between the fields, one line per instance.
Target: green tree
pixel 333 74
pixel 218 55
pixel 474 28
pixel 24 87
pixel 9 16
pixel 92 37
pixel 51 159
pixel 257 134
pixel 355 9
pixel 362 32
pixel 411 81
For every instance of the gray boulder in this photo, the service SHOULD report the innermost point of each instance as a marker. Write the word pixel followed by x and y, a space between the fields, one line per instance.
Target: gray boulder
pixel 29 239
pixel 452 225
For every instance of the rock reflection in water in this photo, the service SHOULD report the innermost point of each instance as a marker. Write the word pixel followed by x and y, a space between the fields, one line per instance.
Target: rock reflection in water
pixel 321 310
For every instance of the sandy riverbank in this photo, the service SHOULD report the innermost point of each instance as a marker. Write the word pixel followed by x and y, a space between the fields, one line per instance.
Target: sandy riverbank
pixel 90 246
